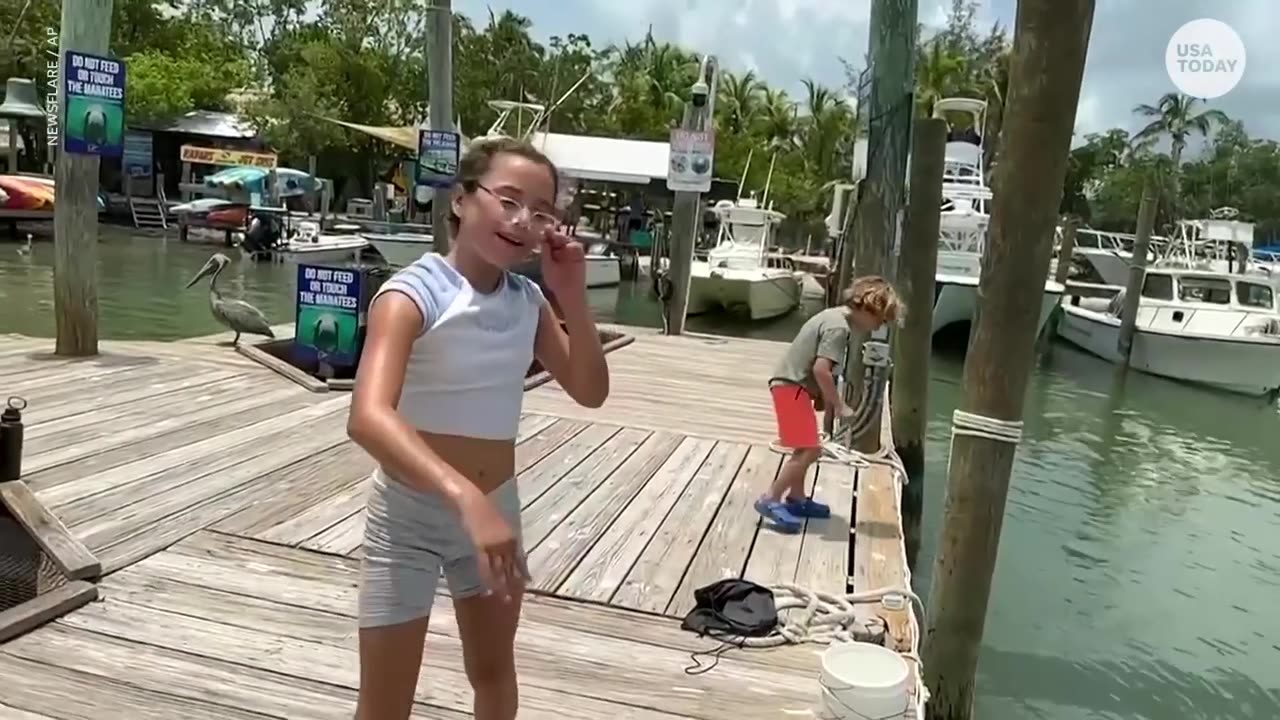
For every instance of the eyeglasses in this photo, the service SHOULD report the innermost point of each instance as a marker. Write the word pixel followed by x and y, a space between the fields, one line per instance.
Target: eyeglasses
pixel 512 209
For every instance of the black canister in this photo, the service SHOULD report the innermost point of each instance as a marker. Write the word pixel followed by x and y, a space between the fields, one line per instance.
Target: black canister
pixel 11 439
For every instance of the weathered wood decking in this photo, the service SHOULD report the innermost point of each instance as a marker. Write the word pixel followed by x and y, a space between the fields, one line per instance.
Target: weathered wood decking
pixel 225 505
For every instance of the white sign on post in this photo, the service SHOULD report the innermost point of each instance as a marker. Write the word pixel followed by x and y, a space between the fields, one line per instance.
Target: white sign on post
pixel 691 160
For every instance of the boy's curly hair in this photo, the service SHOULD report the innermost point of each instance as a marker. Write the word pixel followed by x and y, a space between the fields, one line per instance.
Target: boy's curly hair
pixel 873 294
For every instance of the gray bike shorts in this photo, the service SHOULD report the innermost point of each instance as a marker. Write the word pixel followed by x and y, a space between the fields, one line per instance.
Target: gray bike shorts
pixel 410 537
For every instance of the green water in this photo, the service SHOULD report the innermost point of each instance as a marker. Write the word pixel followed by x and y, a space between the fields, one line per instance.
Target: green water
pixel 1141 546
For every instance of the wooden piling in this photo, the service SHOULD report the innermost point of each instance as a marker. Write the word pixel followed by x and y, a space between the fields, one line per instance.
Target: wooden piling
pixel 880 195
pixel 1066 249
pixel 86 27
pixel 1050 43
pixel 440 87
pixel 1137 273
pixel 686 219
pixel 912 343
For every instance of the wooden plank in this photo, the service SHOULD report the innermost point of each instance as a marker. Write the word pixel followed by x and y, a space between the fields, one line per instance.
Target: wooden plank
pixel 229 570
pixel 824 552
pixel 72 695
pixel 564 546
pixel 539 478
pixel 284 369
pixel 154 447
pixel 187 675
pixel 649 581
pixel 723 551
pixel 68 553
pixel 341 537
pixel 311 482
pixel 43 608
pixel 231 633
pixel 545 512
pixel 612 670
pixel 41 414
pixel 321 515
pixel 532 424
pixel 82 500
pixel 622 543
pixel 545 442
pixel 166 519
pixel 775 555
pixel 184 420
pixel 99 419
pixel 10 712
pixel 40 376
pixel 879 555
pixel 93 392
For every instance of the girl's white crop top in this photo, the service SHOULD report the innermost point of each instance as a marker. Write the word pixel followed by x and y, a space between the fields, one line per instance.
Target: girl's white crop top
pixel 465 374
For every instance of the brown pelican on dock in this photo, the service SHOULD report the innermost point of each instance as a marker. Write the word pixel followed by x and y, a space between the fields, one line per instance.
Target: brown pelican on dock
pixel 238 315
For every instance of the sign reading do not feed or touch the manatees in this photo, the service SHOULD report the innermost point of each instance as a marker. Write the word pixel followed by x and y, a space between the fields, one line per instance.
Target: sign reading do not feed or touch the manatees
pixel 328 317
pixel 94 88
pixel 690 161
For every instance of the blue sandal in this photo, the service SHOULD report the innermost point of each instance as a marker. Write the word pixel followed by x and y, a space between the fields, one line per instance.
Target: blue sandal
pixel 807 508
pixel 778 515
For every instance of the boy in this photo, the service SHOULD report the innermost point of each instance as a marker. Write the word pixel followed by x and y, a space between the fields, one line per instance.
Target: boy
pixel 805 381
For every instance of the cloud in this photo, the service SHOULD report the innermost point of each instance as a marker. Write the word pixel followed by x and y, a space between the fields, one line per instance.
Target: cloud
pixel 789 40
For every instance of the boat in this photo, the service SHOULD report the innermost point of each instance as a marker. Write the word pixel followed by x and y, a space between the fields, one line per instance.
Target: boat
pixel 964 224
pixel 1104 257
pixel 310 245
pixel 400 249
pixel 1195 325
pixel 736 276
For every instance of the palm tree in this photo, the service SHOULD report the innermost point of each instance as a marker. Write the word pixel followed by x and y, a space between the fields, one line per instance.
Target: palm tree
pixel 740 99
pixel 1174 116
pixel 939 73
pixel 778 120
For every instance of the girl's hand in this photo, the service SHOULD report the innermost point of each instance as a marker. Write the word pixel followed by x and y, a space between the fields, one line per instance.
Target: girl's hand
pixel 497 553
pixel 564 265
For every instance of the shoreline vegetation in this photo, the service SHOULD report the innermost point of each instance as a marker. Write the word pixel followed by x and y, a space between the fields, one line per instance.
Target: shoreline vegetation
pixel 287 65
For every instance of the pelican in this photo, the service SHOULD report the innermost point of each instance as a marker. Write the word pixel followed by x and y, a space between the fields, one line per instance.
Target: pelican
pixel 238 315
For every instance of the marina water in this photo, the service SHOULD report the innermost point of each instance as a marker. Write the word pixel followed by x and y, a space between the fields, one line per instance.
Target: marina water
pixel 1139 564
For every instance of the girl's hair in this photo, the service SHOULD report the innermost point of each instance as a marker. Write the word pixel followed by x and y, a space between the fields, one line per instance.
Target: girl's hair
pixel 873 294
pixel 479 157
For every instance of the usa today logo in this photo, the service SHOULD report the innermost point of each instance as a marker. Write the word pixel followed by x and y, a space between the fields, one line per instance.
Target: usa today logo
pixel 1205 58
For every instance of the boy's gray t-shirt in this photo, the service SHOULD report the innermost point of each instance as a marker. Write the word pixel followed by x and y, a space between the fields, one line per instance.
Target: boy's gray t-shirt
pixel 826 334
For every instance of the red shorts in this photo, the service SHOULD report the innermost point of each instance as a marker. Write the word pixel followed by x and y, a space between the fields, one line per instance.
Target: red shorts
pixel 797 422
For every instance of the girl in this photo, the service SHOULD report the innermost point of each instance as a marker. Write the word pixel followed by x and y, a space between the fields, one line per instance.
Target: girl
pixel 437 403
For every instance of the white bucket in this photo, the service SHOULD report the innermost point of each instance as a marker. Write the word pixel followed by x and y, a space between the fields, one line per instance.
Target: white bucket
pixel 861 681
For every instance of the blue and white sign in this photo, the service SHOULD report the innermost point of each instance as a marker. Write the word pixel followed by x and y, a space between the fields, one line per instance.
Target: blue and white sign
pixel 94 89
pixel 137 154
pixel 438 152
pixel 328 315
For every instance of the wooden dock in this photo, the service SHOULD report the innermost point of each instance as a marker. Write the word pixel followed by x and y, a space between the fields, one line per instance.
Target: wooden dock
pixel 225 504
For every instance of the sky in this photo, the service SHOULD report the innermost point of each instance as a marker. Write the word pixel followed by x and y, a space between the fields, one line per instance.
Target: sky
pixel 785 41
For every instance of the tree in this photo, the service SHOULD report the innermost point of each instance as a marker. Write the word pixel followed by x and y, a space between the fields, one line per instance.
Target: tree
pixel 1175 117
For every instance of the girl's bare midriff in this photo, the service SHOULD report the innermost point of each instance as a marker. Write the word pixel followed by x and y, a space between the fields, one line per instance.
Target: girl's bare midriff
pixel 486 463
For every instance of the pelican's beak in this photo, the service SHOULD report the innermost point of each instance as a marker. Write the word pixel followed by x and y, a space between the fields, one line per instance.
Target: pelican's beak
pixel 208 268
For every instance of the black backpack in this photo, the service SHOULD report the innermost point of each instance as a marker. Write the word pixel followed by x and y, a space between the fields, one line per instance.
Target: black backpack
pixel 729 610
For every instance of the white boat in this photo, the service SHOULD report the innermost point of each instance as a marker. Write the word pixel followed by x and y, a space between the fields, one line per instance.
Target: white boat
pixel 309 245
pixel 736 276
pixel 1194 325
pixel 964 223
pixel 400 249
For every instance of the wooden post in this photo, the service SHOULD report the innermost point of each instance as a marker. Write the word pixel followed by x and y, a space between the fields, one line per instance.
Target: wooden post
pixel 686 218
pixel 1137 273
pixel 1051 38
pixel 86 27
pixel 880 194
pixel 440 86
pixel 1066 249
pixel 913 342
